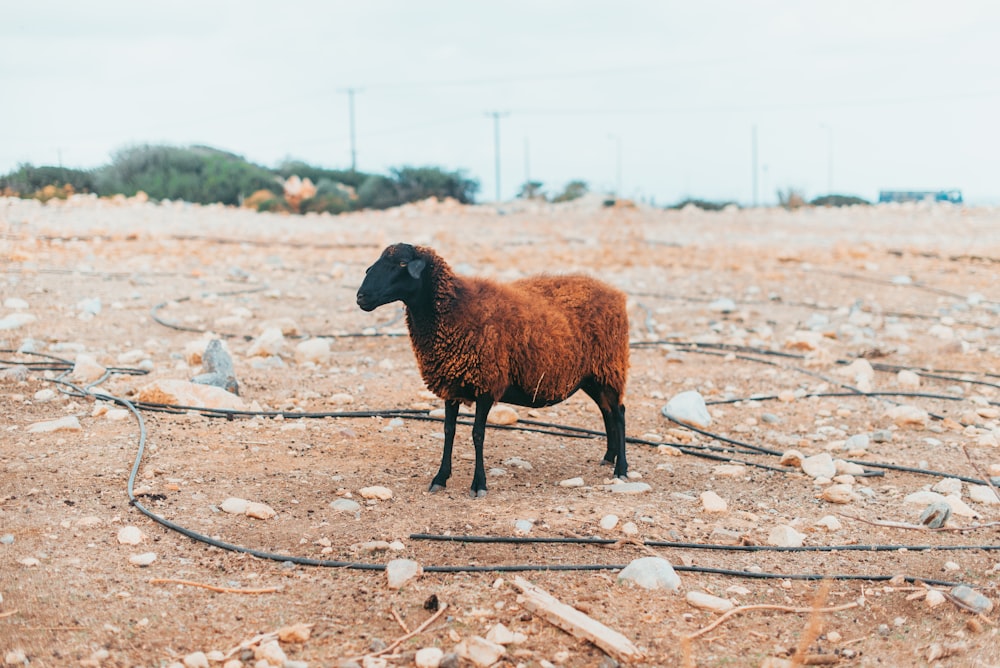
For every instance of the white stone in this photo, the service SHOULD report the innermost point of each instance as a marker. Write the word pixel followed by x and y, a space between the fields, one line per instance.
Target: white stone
pixel 925 498
pixel 934 598
pixel 713 503
pixel 270 342
pixel 502 414
pixel 572 482
pixel 983 494
pixel 819 466
pixel 908 416
pixel 271 652
pixel 340 399
pixel 29 562
pixel 346 506
pixel 839 494
pixel 518 463
pixel 629 487
pixel 235 505
pixel 16 320
pixel 829 522
pixel 501 635
pixel 630 529
pixel 87 369
pixel 428 657
pixel 908 380
pixel 144 559
pixel 42 396
pixel 785 536
pixel 376 492
pixel 316 351
pixel 259 511
pixel 688 408
pixel 729 470
pixel 859 370
pixel 117 414
pixel 948 486
pixel 15 304
pixel 523 527
pixel 704 601
pixel 195 660
pixel 400 571
pixel 791 458
pixel 723 305
pixel 609 522
pixel 130 535
pixel 857 442
pixel 480 651
pixel 185 393
pixel 651 573
pixel 68 423
pixel 848 468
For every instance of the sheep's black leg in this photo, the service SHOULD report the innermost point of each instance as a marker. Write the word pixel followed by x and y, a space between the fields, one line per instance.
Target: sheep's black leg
pixel 621 464
pixel 450 418
pixel 483 406
pixel 613 413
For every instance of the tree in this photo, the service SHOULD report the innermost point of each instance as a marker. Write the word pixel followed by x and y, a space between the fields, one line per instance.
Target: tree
pixel 531 190
pixel 573 190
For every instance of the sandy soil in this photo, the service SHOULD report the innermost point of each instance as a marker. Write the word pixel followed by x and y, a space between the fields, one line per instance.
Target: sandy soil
pixel 901 287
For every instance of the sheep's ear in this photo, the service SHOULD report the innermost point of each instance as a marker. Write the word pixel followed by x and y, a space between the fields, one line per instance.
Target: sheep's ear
pixel 416 267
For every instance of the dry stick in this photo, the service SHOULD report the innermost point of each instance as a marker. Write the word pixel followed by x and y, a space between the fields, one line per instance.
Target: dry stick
pixel 9 613
pixel 221 590
pixel 918 527
pixel 987 478
pixel 768 606
pixel 400 640
pixel 399 620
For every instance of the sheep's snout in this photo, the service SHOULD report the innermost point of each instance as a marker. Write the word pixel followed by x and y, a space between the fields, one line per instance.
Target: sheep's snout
pixel 366 302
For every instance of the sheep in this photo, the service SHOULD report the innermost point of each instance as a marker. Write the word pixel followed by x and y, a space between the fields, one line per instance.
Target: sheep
pixel 532 342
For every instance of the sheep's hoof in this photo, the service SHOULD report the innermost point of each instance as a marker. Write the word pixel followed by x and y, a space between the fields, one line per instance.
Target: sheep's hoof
pixel 607 462
pixel 434 488
pixel 477 493
pixel 623 478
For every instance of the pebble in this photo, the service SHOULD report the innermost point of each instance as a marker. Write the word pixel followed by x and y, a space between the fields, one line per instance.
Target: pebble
pixel 15 657
pixel 651 573
pixel 86 369
pixel 523 527
pixel 704 601
pixel 935 515
pixel 340 399
pixel 723 305
pixel 15 303
pixel 948 486
pixel 428 657
pixel 186 393
pixel 785 536
pixel 688 408
pixel 144 559
pixel 501 635
pixel 346 506
pixel 713 503
pixel 29 562
pixel 608 522
pixel 829 522
pixel 857 442
pixel 517 463
pixel 117 414
pixel 15 320
pixel 882 436
pixel 848 468
pixel 791 458
pixel 973 599
pixel 628 487
pixel 480 651
pixel 502 414
pixel 68 423
pixel 839 493
pixel 630 529
pixel 400 571
pixel 908 416
pixel 195 660
pixel 908 380
pixel 235 505
pixel 819 466
pixel 271 652
pixel 951 566
pixel 8 539
pixel 925 497
pixel 315 350
pixel 260 511
pixel 572 482
pixel 42 396
pixel 723 536
pixel 271 342
pixel 934 598
pixel 130 535
pixel 376 492
pixel 983 494
pixel 729 470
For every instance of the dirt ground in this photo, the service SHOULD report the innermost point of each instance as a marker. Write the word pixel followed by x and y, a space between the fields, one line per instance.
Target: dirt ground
pixel 138 286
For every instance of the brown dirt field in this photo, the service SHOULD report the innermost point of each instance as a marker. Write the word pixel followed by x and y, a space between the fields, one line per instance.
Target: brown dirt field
pixel 70 596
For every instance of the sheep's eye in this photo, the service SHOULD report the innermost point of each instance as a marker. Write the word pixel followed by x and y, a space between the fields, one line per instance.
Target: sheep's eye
pixel 402 264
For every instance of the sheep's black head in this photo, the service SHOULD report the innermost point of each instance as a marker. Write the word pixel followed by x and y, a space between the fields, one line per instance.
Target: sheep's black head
pixel 395 276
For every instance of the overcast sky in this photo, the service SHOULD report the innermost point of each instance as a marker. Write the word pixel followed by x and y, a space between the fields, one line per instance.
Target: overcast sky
pixel 849 96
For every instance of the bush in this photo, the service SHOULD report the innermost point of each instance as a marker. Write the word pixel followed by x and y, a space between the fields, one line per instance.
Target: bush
pixel 196 174
pixel 705 205
pixel 839 200
pixel 31 181
pixel 330 197
pixel 412 184
pixel 318 174
pixel 573 190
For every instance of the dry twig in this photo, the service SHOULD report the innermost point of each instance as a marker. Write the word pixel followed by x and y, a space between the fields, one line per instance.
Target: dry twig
pixel 918 527
pixel 399 620
pixel 400 640
pixel 9 613
pixel 221 590
pixel 769 606
pixel 989 481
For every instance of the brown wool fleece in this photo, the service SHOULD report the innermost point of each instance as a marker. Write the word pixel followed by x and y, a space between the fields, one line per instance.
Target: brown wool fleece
pixel 542 335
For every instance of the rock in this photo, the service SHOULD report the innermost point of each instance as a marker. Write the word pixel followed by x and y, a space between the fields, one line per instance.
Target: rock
pixel 857 442
pixel 688 408
pixel 972 599
pixel 316 351
pixel 217 366
pixel 89 307
pixel 16 320
pixel 630 529
pixel 235 505
pixel 935 515
pixel 502 414
pixel 948 486
pixel 983 494
pixel 270 651
pixel 651 573
pixel 15 304
pixel 785 536
pixel 791 458
pixel 908 416
pixel 340 399
pixel 819 466
pixel 729 470
pixel 480 651
pixel 908 380
pixel 829 522
pixel 68 423
pixel 860 371
pixel 848 468
pixel 144 559
pixel 571 482
pixel 713 503
pixel 400 571
pixel 839 494
pixel 501 635
pixel 376 492
pixel 722 305
pixel 45 395
pixel 195 660
pixel 804 340
pixel 130 535
pixel 15 657
pixel 609 522
pixel 518 463
pixel 346 506
pixel 428 657
pixel 934 598
pixel 924 498
pixel 117 414
pixel 186 393
pixel 628 487
pixel 259 511
pixel 29 562
pixel 270 343
pixel 723 536
pixel 523 527
pixel 87 369
pixel 704 601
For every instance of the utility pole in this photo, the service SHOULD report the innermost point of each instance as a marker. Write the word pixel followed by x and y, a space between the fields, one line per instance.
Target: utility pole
pixel 753 151
pixel 497 115
pixel 350 102
pixel 618 164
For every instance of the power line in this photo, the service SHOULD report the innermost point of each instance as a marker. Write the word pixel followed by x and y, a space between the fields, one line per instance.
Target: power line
pixel 497 115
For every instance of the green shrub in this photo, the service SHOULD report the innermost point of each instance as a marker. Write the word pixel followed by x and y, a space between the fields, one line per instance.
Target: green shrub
pixel 706 205
pixel 573 190
pixel 331 197
pixel 27 180
pixel 839 200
